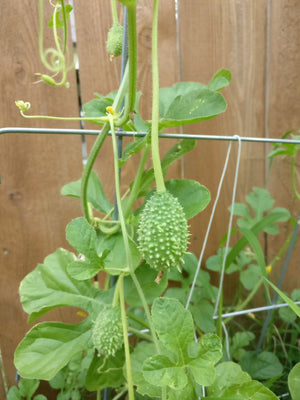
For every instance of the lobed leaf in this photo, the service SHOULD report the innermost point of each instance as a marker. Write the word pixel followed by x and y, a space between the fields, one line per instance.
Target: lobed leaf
pixel 105 372
pixel 174 325
pixel 50 286
pixel 49 346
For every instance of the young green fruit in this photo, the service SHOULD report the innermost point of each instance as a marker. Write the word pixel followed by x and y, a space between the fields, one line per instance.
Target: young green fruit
pixel 107 333
pixel 163 232
pixel 115 40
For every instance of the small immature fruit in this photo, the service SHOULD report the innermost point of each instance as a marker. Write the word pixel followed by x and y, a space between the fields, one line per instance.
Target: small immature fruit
pixel 163 232
pixel 108 331
pixel 114 40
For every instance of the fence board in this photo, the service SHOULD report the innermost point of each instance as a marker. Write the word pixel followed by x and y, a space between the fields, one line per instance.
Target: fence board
pixel 284 115
pixel 229 35
pixel 33 169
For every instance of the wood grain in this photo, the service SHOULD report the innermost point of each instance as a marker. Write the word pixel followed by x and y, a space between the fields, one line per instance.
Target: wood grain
pixel 284 116
pixel 33 214
pixel 232 35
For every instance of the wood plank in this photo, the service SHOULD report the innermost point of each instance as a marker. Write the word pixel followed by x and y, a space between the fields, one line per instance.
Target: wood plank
pixel 214 35
pixel 33 168
pixel 284 116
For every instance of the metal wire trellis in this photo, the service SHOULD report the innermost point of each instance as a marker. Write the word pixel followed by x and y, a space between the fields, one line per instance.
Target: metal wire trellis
pixel 230 139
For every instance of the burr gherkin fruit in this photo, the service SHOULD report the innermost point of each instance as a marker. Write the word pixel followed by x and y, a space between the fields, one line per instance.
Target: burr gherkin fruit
pixel 108 331
pixel 163 231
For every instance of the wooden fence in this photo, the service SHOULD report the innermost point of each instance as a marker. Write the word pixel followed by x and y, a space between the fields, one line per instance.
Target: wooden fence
pixel 259 41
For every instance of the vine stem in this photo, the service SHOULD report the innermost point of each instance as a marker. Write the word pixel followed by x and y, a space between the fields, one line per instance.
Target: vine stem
pixel 114 11
pixel 297 194
pixel 125 236
pixel 159 179
pixel 102 119
pixel 65 28
pixel 97 146
pixel 132 60
pixel 120 284
pixel 136 184
pixel 125 338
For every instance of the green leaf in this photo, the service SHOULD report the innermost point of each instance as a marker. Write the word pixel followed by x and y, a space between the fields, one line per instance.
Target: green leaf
pixel 59 17
pixel 49 346
pixel 173 324
pixel 40 397
pixel 291 304
pixel 203 315
pixel 263 366
pixel 294 381
pixel 50 286
pixel 13 393
pixel 187 393
pixel 241 209
pixel 132 148
pixel 266 221
pixel 260 200
pixel 206 353
pixel 95 193
pixel 220 80
pixel 159 370
pixel 105 372
pixel 176 152
pixel 116 260
pixel 96 108
pixel 188 102
pixel 142 351
pixel 146 276
pixel 254 391
pixel 82 236
pixel 28 387
pixel 227 374
pixel 234 384
pixel 254 243
pixel 240 340
pixel 193 196
pixel 215 263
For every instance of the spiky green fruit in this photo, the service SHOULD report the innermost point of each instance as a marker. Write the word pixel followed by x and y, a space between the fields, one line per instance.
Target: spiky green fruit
pixel 115 40
pixel 108 331
pixel 163 231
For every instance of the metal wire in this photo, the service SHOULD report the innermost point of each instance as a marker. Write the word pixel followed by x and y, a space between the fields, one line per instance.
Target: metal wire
pixel 255 310
pixel 96 132
pixel 209 227
pixel 229 225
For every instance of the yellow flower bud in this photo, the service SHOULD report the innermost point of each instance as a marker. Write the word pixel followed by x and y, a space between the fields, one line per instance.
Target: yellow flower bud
pixel 268 269
pixel 22 105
